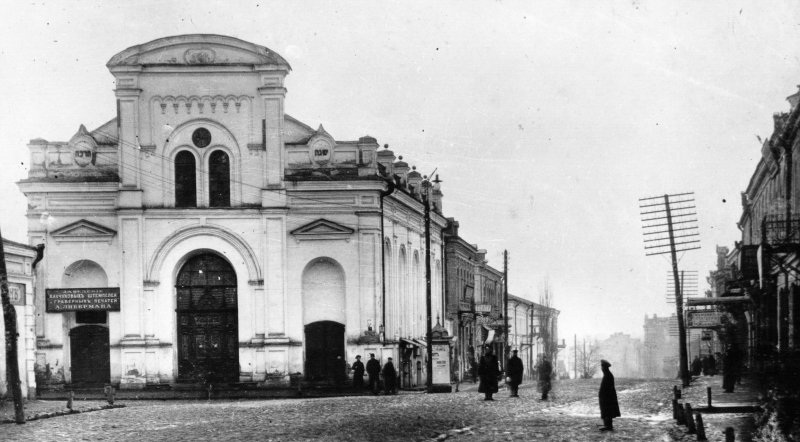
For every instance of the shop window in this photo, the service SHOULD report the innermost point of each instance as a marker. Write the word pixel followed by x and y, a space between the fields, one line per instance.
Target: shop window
pixel 219 180
pixel 185 180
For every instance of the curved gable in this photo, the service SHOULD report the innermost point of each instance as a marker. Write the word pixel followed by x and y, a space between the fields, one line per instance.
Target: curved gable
pixel 197 49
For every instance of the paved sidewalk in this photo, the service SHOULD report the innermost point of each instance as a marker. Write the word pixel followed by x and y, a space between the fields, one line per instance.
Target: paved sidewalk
pixel 744 395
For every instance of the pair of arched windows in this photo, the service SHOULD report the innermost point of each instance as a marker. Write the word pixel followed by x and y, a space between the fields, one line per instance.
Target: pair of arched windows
pixel 219 180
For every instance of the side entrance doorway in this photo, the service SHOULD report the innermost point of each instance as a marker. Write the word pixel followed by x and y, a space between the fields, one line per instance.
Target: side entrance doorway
pixel 89 354
pixel 325 352
pixel 208 349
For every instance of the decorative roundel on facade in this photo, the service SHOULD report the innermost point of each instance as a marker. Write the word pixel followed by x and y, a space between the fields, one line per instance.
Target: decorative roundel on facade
pixel 83 154
pixel 201 137
pixel 321 151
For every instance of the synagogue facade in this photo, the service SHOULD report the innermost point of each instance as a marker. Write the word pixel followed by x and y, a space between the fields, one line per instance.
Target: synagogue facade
pixel 203 235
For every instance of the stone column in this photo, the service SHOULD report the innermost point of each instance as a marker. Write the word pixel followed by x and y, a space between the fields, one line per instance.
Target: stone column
pixel 272 95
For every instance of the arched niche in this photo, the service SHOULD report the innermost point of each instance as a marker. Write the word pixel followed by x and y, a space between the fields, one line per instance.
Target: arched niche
pixel 323 288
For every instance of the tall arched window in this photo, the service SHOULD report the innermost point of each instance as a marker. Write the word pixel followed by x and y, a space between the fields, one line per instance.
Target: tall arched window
pixel 219 180
pixel 185 180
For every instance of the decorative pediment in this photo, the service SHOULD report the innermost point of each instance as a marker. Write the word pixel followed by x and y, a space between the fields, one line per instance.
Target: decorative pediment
pixel 322 229
pixel 197 49
pixel 83 231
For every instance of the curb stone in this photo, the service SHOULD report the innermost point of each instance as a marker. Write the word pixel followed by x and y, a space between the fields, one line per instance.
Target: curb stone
pixel 47 415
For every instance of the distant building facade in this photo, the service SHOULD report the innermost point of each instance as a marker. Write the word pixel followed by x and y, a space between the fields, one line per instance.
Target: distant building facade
pixel 660 347
pixel 625 353
pixel 533 332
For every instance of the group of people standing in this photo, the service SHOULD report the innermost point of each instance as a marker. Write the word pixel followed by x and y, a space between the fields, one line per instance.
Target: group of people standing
pixel 489 375
pixel 374 371
pixel 731 367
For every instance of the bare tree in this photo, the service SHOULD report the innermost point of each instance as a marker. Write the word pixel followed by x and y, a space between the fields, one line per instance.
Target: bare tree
pixel 588 358
pixel 545 316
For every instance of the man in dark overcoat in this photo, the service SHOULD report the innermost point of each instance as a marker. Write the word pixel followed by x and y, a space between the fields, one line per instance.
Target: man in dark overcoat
pixel 609 406
pixel 358 373
pixel 731 365
pixel 389 377
pixel 488 370
pixel 514 372
pixel 545 376
pixel 374 371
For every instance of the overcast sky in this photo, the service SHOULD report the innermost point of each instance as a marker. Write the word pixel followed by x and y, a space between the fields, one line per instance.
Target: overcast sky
pixel 546 123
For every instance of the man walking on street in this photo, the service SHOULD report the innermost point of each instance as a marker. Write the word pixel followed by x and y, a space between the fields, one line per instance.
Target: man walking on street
pixel 374 371
pixel 545 375
pixel 514 373
pixel 389 377
pixel 609 406
pixel 488 370
pixel 358 373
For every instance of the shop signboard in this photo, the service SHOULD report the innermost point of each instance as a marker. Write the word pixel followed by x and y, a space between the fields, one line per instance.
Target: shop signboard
pixel 103 299
pixel 703 318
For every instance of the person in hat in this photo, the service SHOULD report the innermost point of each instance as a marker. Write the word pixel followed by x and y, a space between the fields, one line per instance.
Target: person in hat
pixel 374 372
pixel 488 370
pixel 389 377
pixel 609 406
pixel 545 372
pixel 514 370
pixel 358 373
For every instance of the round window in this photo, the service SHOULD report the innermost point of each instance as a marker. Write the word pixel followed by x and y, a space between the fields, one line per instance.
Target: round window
pixel 201 137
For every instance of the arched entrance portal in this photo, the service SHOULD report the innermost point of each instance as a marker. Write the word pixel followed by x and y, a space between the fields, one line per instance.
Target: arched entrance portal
pixel 89 355
pixel 208 348
pixel 324 344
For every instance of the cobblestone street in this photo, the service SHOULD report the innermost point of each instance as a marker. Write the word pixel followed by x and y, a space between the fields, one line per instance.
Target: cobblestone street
pixel 572 414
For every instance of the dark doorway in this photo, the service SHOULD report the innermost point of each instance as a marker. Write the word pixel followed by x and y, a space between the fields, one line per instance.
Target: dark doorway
pixel 89 354
pixel 324 342
pixel 208 349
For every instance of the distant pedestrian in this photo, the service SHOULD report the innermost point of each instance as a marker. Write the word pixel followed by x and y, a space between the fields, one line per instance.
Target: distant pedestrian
pixel 358 373
pixel 514 371
pixel 389 377
pixel 731 368
pixel 488 371
pixel 374 372
pixel 545 371
pixel 696 366
pixel 712 365
pixel 609 406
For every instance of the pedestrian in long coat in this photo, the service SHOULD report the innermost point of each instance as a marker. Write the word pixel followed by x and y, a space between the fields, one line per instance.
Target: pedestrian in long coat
pixel 374 372
pixel 389 377
pixel 488 371
pixel 545 377
pixel 358 373
pixel 514 371
pixel 609 406
pixel 731 364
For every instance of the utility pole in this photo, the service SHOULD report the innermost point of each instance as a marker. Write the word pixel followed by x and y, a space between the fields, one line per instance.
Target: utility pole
pixel 661 237
pixel 10 320
pixel 575 349
pixel 426 188
pixel 505 308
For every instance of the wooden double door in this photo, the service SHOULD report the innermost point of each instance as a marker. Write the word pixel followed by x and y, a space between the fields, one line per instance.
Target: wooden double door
pixel 90 362
pixel 325 352
pixel 207 316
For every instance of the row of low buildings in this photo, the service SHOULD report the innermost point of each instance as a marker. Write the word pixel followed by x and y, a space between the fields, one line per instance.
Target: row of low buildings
pixel 203 235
